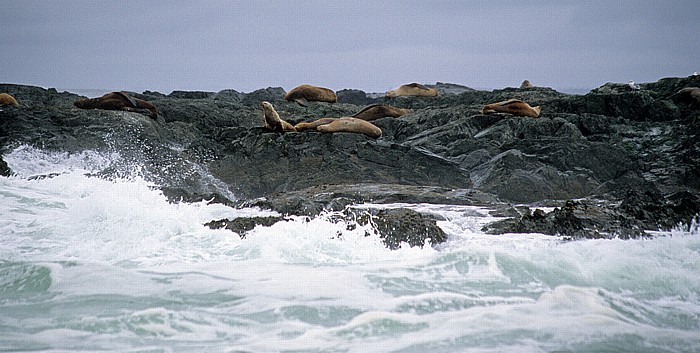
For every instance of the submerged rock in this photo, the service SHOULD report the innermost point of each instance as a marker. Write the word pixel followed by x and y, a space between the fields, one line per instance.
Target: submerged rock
pixel 401 225
pixel 4 169
pixel 242 225
pixel 393 226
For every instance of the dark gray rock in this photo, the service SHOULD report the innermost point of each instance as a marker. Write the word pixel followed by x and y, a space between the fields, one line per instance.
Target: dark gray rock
pixel 270 94
pixel 315 199
pixel 211 146
pixel 191 94
pixel 4 169
pixel 259 163
pixel 242 225
pixel 352 96
pixel 592 219
pixel 401 225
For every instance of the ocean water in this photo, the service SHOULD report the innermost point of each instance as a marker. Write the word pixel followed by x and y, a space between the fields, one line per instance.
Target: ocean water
pixel 95 265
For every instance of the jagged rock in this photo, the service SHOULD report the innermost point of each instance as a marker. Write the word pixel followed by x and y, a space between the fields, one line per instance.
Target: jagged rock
pixel 4 169
pixel 638 212
pixel 397 226
pixel 597 145
pixel 191 94
pixel 352 96
pixel 242 225
pixel 270 94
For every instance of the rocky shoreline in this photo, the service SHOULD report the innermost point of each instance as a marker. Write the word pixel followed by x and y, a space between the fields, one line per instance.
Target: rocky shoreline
pixel 614 162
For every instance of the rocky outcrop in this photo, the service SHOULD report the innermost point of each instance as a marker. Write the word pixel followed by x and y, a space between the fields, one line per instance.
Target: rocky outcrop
pixel 637 213
pixel 242 225
pixel 401 225
pixel 210 145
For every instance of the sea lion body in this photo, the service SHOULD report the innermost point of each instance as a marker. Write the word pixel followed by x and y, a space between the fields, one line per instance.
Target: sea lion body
pixel 412 89
pixel 272 120
pixel 118 101
pixel 526 84
pixel 6 99
pixel 688 95
pixel 512 106
pixel 350 124
pixel 305 93
pixel 378 111
pixel 314 124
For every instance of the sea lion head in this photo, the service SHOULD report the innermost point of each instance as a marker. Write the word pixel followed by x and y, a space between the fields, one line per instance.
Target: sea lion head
pixel 526 84
pixel 268 110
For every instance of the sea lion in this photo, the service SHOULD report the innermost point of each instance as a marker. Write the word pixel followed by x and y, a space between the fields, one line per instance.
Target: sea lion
pixel 378 111
pixel 688 95
pixel 272 120
pixel 314 124
pixel 118 101
pixel 526 84
pixel 512 106
pixel 6 99
pixel 412 89
pixel 304 93
pixel 350 124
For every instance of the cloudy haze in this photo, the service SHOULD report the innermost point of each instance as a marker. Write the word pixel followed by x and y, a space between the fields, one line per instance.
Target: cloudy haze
pixel 369 45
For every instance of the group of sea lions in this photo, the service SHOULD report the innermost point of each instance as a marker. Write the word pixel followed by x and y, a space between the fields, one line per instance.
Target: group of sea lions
pixel 358 123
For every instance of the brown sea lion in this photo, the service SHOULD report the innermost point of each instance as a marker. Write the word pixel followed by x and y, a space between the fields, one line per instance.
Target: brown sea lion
pixel 118 101
pixel 314 124
pixel 6 99
pixel 526 84
pixel 412 89
pixel 349 124
pixel 378 111
pixel 304 93
pixel 688 95
pixel 272 120
pixel 512 106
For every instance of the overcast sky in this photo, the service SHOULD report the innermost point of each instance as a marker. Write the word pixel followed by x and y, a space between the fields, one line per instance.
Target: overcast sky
pixel 370 45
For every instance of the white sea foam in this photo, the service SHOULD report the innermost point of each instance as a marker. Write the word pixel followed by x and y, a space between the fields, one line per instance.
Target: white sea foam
pixel 109 265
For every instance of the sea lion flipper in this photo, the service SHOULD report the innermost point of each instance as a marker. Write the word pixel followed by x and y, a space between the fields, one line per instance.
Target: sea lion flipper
pixel 131 100
pixel 302 102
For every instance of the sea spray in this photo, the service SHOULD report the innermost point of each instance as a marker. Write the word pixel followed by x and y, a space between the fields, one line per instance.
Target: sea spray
pixel 97 264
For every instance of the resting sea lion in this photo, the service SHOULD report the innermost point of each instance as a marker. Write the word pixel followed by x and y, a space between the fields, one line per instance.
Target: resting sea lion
pixel 6 99
pixel 272 120
pixel 349 124
pixel 378 111
pixel 688 95
pixel 512 106
pixel 526 84
pixel 118 101
pixel 314 124
pixel 412 89
pixel 304 93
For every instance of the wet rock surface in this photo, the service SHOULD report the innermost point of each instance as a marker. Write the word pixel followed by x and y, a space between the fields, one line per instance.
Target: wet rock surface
pixel 638 150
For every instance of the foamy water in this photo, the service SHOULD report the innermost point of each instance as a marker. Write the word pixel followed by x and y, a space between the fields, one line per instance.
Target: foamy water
pixel 88 264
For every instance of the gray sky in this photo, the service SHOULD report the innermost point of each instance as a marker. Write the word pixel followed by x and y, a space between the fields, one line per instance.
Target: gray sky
pixel 370 45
